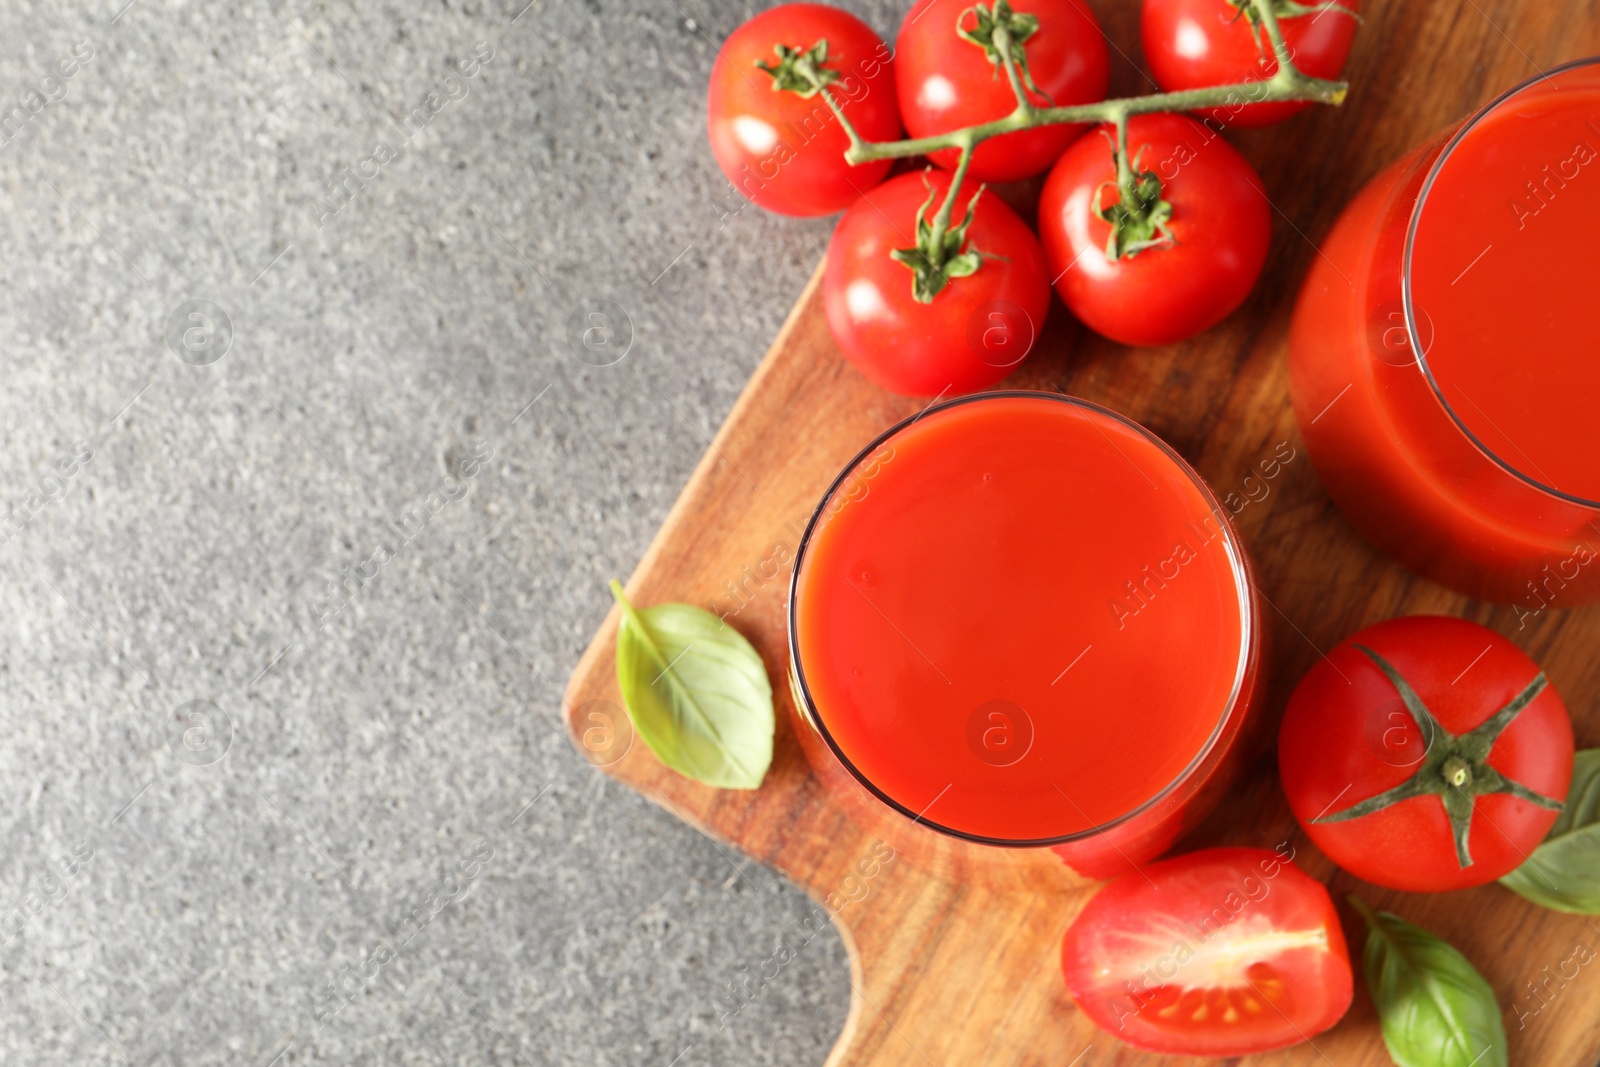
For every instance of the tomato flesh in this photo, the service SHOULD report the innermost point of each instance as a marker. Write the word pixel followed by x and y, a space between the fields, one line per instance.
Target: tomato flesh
pixel 1220 952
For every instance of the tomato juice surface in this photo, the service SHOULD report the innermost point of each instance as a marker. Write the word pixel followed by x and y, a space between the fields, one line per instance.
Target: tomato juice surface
pixel 1020 617
pixel 1505 264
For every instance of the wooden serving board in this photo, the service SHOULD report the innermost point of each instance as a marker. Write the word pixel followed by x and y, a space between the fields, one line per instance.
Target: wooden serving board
pixel 946 974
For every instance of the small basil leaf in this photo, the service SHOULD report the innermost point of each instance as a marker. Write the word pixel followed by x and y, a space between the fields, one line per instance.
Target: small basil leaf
pixel 1564 872
pixel 697 693
pixel 1435 1008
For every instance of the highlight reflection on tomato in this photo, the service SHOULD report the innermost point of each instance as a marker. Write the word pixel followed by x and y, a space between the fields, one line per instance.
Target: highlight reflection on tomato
pixel 781 150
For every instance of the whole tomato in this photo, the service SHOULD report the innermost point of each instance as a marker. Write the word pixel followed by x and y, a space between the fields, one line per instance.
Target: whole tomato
pixel 1193 44
pixel 975 329
pixel 1215 242
pixel 785 151
pixel 1221 952
pixel 1426 753
pixel 947 82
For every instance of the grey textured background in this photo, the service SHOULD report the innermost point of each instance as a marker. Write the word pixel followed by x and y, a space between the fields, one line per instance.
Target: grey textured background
pixel 173 529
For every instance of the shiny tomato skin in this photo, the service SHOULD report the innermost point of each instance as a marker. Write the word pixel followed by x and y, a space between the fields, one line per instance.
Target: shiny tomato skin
pixel 935 349
pixel 1346 736
pixel 785 152
pixel 1221 222
pixel 946 83
pixel 1221 952
pixel 1193 44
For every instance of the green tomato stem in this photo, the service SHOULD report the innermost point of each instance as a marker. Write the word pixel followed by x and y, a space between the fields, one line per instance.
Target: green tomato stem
pixel 1127 184
pixel 941 220
pixel 1269 22
pixel 1002 44
pixel 1288 83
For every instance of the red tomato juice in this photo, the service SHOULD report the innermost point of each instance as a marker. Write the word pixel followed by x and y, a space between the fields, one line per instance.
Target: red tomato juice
pixel 1441 361
pixel 1021 619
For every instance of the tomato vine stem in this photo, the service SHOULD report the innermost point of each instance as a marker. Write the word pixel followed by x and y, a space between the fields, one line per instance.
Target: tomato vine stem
pixel 1012 63
pixel 941 220
pixel 1288 83
pixel 1139 211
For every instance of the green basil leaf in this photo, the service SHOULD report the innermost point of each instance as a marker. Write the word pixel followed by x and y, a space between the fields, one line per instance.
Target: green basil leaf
pixel 697 692
pixel 1564 872
pixel 1435 1008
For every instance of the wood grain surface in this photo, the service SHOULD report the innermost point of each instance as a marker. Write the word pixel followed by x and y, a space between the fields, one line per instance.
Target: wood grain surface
pixel 949 974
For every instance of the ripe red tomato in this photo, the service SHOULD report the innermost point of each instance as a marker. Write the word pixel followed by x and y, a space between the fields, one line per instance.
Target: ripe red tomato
pixel 973 333
pixel 1352 733
pixel 783 151
pixel 1220 952
pixel 1192 44
pixel 946 83
pixel 1220 226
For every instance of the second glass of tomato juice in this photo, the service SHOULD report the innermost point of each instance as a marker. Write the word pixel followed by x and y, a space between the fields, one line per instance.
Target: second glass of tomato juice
pixel 1442 357
pixel 1023 640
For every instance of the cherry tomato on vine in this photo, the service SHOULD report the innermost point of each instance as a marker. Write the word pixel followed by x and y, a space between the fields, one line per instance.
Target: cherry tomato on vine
pixel 946 82
pixel 1194 273
pixel 785 151
pixel 1194 44
pixel 1221 952
pixel 975 329
pixel 1426 753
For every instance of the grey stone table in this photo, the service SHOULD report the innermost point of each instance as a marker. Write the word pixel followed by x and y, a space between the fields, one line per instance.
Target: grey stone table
pixel 307 503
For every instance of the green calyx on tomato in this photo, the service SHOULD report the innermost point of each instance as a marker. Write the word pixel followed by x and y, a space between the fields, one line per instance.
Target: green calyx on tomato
pixel 800 70
pixel 1456 768
pixel 1001 33
pixel 939 257
pixel 1139 219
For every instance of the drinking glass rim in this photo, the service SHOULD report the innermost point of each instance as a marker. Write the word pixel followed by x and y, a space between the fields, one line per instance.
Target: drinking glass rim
pixel 1407 290
pixel 1239 567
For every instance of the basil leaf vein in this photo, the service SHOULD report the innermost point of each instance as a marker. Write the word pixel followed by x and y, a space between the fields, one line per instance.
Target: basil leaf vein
pixel 1564 871
pixel 1435 1008
pixel 697 692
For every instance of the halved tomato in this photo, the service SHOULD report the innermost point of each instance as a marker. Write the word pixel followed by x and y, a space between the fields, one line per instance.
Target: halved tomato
pixel 1220 952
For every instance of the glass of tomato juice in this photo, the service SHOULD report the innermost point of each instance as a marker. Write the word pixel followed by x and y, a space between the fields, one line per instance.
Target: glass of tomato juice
pixel 1440 359
pixel 1023 640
